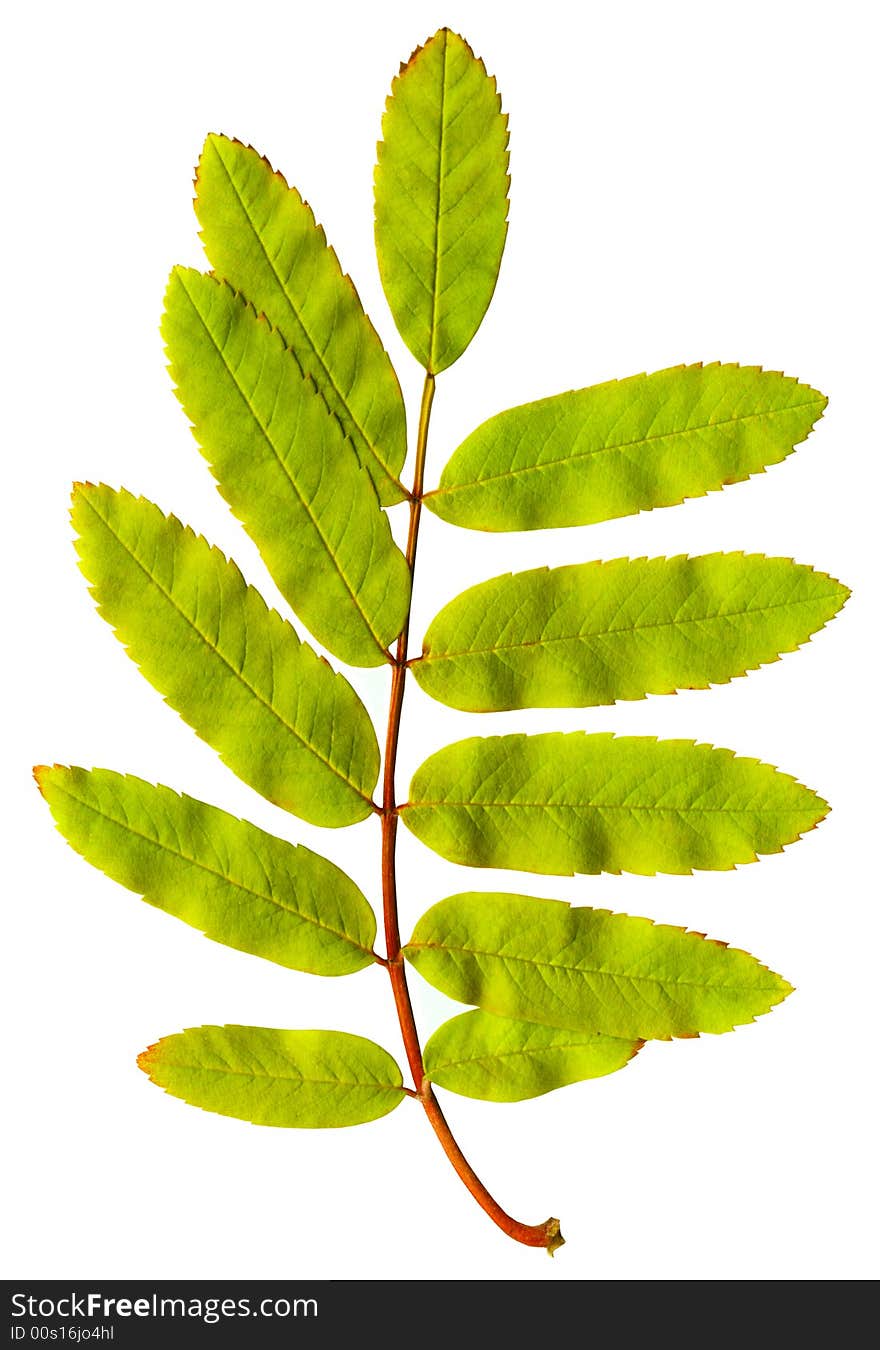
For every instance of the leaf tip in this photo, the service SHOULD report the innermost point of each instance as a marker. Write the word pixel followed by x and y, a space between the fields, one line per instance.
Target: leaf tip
pixel 147 1059
pixel 210 144
pixel 43 773
pixel 214 139
pixel 784 988
pixel 821 810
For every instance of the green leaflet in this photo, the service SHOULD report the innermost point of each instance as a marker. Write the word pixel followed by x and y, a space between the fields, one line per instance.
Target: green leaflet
pixel 441 198
pixel 307 1079
pixel 237 884
pixel 496 1059
pixel 234 670
pixel 261 236
pixel 564 803
pixel 286 469
pixel 588 969
pixel 600 631
pixel 625 446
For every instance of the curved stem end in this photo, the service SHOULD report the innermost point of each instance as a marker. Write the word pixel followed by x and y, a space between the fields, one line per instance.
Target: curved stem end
pixel 554 1238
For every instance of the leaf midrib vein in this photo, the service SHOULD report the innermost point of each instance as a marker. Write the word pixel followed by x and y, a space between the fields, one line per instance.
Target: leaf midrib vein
pixel 589 970
pixel 634 626
pixel 212 871
pixel 301 1079
pixel 613 806
pixel 343 398
pixel 492 1056
pixel 291 480
pixel 437 200
pixel 222 657
pixel 442 490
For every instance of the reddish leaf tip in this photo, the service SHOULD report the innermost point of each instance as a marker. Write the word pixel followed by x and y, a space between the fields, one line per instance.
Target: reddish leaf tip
pixel 42 771
pixel 147 1058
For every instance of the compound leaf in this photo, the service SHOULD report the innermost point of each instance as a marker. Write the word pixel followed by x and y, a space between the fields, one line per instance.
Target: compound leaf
pixel 234 882
pixel 304 1079
pixel 588 969
pixel 441 198
pixel 600 631
pixel 562 803
pixel 231 667
pixel 497 1059
pixel 262 237
pixel 625 446
pixel 283 464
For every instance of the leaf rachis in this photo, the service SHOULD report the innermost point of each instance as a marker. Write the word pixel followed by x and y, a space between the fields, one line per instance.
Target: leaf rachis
pixel 547 1234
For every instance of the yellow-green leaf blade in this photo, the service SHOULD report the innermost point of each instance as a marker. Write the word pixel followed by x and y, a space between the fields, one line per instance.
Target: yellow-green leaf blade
pixel 498 1059
pixel 574 637
pixel 262 237
pixel 588 969
pixel 234 882
pixel 232 668
pixel 441 198
pixel 562 803
pixel 293 1079
pixel 625 446
pixel 286 469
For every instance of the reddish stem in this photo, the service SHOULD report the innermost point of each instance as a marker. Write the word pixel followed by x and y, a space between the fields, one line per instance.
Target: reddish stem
pixel 538 1235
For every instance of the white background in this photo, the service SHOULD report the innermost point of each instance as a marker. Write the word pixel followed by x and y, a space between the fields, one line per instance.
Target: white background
pixel 690 182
